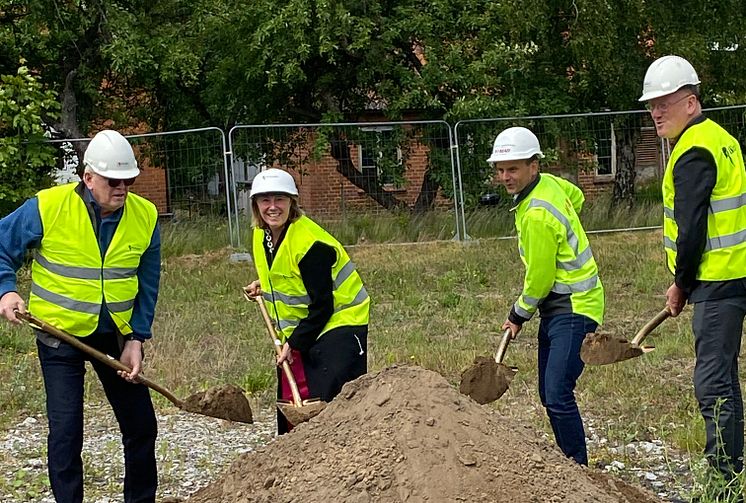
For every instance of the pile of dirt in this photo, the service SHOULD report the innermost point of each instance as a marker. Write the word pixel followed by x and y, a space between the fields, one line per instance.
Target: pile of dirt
pixel 404 434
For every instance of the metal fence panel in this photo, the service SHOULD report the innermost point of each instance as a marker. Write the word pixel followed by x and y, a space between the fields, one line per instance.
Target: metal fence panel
pixel 365 182
pixel 589 149
pixel 183 173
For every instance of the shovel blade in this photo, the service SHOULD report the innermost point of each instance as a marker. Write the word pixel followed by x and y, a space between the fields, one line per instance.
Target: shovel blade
pixel 486 380
pixel 224 402
pixel 296 414
pixel 604 349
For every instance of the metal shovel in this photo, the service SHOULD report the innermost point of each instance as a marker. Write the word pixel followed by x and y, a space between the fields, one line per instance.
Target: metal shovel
pixel 603 349
pixel 298 410
pixel 224 402
pixel 488 378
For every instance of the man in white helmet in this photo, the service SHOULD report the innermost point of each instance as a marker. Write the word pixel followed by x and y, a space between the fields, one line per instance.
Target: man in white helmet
pixel 561 280
pixel 95 275
pixel 704 227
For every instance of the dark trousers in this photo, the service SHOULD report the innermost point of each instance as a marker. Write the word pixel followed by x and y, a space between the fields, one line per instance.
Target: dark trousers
pixel 717 327
pixel 63 369
pixel 338 357
pixel 560 366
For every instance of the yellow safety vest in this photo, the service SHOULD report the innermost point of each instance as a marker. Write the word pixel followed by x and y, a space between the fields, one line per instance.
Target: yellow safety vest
pixel 724 256
pixel 69 279
pixel 553 203
pixel 283 288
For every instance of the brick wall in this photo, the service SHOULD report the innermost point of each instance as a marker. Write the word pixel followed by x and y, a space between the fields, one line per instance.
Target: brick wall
pixel 151 184
pixel 323 190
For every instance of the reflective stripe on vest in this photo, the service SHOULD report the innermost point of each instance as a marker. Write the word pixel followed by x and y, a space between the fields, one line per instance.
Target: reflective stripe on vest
pixel 70 280
pixel 724 256
pixel 283 287
pixel 572 240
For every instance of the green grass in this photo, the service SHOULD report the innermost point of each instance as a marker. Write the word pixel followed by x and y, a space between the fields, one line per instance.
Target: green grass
pixel 437 305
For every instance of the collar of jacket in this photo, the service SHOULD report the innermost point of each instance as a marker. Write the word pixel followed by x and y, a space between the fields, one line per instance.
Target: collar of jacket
pixel 525 192
pixel 697 120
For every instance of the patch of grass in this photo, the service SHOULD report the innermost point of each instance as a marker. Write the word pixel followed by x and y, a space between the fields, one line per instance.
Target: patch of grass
pixel 437 305
pixel 193 236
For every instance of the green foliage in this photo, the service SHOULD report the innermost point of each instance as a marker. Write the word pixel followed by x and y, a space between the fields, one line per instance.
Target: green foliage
pixel 25 161
pixel 182 64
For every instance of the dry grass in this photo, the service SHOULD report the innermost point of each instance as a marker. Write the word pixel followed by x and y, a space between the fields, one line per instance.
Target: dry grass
pixel 436 305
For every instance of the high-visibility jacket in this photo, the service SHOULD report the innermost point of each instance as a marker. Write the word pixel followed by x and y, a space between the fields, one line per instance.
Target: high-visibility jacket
pixel 555 250
pixel 283 287
pixel 69 277
pixel 724 256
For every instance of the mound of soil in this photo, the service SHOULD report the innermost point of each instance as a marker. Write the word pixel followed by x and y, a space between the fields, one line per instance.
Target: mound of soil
pixel 405 434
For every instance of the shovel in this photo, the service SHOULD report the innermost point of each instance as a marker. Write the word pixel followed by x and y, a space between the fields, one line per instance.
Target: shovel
pixel 298 410
pixel 488 378
pixel 603 349
pixel 224 402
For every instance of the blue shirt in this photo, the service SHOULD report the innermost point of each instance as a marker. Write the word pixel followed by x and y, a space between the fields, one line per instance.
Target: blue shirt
pixel 22 230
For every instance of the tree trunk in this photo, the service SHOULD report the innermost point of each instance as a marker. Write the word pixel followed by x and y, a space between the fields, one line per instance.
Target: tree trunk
pixel 626 156
pixel 68 125
pixel 340 150
pixel 428 192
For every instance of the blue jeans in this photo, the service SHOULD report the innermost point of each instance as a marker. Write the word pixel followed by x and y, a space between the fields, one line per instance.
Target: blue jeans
pixel 560 366
pixel 63 369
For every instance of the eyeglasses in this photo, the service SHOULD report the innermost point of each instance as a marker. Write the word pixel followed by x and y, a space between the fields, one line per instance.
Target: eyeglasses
pixel 114 182
pixel 663 107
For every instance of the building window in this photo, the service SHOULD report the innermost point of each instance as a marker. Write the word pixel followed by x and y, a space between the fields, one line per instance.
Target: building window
pixel 605 155
pixel 378 154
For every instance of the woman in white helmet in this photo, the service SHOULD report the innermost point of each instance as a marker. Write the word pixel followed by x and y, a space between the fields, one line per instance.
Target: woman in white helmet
pixel 704 228
pixel 313 292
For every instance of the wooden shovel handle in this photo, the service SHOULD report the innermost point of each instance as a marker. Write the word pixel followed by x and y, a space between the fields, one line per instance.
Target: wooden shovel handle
pixel 503 345
pixel 98 355
pixel 297 400
pixel 650 326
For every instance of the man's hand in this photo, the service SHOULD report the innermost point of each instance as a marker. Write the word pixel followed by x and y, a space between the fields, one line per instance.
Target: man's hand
pixel 132 357
pixel 514 329
pixel 9 303
pixel 675 299
pixel 253 289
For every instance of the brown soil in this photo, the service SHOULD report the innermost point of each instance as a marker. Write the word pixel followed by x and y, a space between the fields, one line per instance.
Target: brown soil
pixel 603 349
pixel 297 414
pixel 225 402
pixel 486 380
pixel 404 434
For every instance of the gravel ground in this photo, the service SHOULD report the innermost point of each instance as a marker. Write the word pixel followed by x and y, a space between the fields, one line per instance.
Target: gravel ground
pixel 650 463
pixel 193 450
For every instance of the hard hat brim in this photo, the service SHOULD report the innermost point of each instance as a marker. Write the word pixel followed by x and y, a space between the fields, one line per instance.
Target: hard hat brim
pixel 494 158
pixel 117 175
pixel 655 94
pixel 278 192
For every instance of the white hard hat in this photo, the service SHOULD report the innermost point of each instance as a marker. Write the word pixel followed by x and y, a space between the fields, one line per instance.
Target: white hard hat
pixel 667 75
pixel 515 143
pixel 109 154
pixel 273 181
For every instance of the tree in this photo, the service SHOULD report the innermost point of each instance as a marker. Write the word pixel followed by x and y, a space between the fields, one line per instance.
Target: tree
pixel 26 161
pixel 180 64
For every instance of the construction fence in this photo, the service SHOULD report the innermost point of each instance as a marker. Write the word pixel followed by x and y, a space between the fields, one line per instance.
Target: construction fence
pixel 394 181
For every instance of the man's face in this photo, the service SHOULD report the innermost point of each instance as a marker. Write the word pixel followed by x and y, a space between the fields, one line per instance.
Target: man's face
pixel 516 175
pixel 671 113
pixel 109 193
